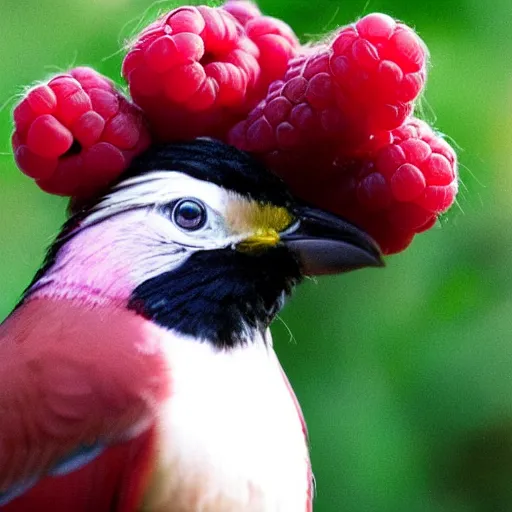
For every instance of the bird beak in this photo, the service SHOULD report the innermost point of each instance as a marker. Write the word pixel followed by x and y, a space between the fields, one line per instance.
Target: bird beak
pixel 326 244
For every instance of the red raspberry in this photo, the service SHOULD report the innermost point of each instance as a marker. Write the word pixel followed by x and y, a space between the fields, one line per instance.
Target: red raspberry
pixel 192 71
pixel 397 191
pixel 380 68
pixel 76 133
pixel 343 93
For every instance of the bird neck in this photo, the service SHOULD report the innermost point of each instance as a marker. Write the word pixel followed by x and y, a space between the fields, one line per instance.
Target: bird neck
pixel 223 297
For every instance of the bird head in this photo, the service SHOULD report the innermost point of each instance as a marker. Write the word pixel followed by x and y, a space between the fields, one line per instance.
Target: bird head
pixel 202 239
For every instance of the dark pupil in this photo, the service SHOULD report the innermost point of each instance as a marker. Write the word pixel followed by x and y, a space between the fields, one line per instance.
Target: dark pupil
pixel 189 215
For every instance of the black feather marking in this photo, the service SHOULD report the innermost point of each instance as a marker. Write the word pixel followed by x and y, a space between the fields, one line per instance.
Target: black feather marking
pixel 218 163
pixel 216 295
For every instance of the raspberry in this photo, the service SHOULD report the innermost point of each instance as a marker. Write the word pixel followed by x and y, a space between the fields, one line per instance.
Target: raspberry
pixel 343 94
pixel 76 133
pixel 398 190
pixel 191 72
pixel 380 68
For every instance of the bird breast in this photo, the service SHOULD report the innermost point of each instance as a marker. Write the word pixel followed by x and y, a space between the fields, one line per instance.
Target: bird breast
pixel 230 437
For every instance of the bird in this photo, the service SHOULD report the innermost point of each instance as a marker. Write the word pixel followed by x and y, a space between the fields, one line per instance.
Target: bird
pixel 137 371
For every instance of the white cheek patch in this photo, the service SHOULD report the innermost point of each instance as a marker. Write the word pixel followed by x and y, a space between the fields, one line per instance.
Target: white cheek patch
pixel 149 244
pixel 152 244
pixel 155 189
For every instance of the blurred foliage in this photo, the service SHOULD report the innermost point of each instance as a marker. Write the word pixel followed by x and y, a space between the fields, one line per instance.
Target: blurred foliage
pixel 404 374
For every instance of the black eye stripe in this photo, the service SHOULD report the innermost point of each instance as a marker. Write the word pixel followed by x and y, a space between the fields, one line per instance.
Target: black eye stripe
pixel 189 214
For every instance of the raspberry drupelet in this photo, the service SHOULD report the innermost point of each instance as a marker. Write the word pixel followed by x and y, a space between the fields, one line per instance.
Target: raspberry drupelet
pixel 242 10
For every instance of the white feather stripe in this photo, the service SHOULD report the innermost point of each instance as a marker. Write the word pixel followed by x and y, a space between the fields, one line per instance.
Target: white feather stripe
pixel 157 188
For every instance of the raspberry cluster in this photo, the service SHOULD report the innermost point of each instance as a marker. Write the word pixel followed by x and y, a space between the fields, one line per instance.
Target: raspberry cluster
pixel 342 116
pixel 334 119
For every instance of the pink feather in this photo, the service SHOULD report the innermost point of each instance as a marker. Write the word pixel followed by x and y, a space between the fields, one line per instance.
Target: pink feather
pixel 73 375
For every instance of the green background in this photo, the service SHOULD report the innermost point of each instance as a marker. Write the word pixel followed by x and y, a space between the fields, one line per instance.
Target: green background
pixel 404 374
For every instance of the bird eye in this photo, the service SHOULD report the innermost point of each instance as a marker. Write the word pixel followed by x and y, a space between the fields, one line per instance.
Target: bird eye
pixel 189 214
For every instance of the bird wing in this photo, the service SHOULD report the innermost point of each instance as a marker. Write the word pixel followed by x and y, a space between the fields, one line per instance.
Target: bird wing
pixel 79 386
